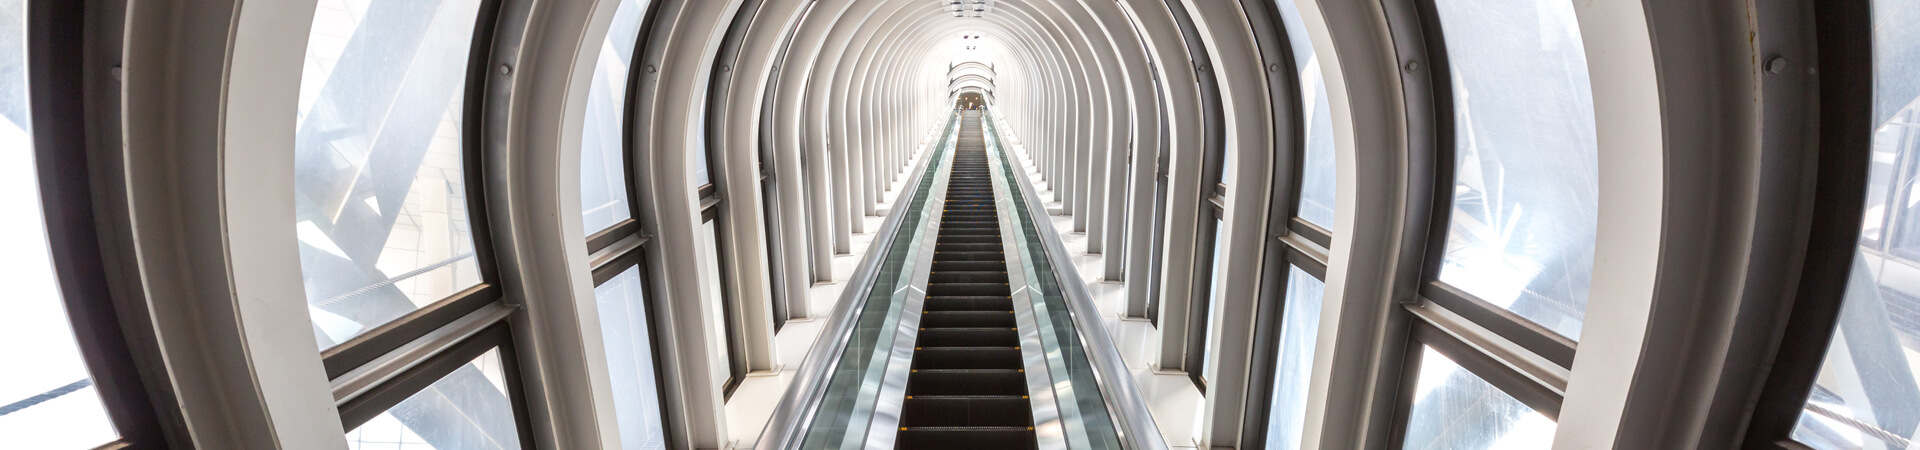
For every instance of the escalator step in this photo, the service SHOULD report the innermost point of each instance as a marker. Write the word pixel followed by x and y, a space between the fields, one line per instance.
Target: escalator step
pixel 968 288
pixel 959 247
pixel 962 266
pixel 931 338
pixel 979 303
pixel 966 411
pixel 958 239
pixel 967 382
pixel 996 276
pixel 943 438
pixel 967 319
pixel 971 358
pixel 968 256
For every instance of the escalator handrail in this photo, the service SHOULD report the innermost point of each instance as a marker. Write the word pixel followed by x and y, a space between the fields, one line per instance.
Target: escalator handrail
pixel 1121 393
pixel 801 400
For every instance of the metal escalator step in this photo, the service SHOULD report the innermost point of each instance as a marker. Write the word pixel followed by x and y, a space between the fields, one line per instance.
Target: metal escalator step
pixel 995 276
pixel 967 411
pixel 961 265
pixel 963 247
pixel 967 319
pixel 970 438
pixel 969 239
pixel 968 256
pixel 967 382
pixel 947 337
pixel 969 358
pixel 999 304
pixel 968 288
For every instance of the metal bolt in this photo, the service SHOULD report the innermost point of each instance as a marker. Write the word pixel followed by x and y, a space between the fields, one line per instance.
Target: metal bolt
pixel 1273 67
pixel 1776 64
pixel 725 68
pixel 117 73
pixel 651 69
pixel 1411 66
pixel 506 69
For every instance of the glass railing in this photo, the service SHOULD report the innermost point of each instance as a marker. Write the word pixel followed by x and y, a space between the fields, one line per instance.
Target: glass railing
pixel 1083 410
pixel 852 396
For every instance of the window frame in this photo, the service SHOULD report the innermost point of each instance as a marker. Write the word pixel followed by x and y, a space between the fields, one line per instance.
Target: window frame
pixel 388 337
pixel 379 399
pixel 1285 245
pixel 1488 368
pixel 623 245
pixel 121 356
pixel 388 364
pixel 1846 82
pixel 1502 322
pixel 711 210
pixel 1428 310
pixel 1212 164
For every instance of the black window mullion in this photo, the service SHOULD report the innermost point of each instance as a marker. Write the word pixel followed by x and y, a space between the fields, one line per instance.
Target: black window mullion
pixel 378 399
pixel 1540 398
pixel 1508 325
pixel 1311 231
pixel 600 240
pixel 612 267
pixel 390 336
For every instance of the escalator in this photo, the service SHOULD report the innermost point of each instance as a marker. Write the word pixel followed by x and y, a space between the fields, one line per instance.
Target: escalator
pixel 967 389
pixel 956 331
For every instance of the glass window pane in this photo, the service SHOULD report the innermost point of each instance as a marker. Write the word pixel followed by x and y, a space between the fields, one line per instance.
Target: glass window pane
pixel 719 357
pixel 630 364
pixel 1317 169
pixel 1525 196
pixel 1299 330
pixel 1456 410
pixel 47 398
pixel 1867 395
pixel 603 179
pixel 467 409
pixel 1213 296
pixel 380 197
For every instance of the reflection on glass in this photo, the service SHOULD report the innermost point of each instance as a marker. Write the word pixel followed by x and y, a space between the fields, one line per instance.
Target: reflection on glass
pixel 380 200
pixel 1867 396
pixel 1299 328
pixel 1213 297
pixel 466 410
pixel 708 247
pixel 625 332
pixel 603 179
pixel 1317 170
pixel 1455 410
pixel 1525 196
pixel 47 398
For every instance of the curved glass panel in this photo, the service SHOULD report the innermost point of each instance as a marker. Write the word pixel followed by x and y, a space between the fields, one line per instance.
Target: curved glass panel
pixel 380 197
pixel 1867 395
pixel 603 175
pixel 47 398
pixel 1299 331
pixel 707 247
pixel 630 365
pixel 1526 184
pixel 465 410
pixel 1317 167
pixel 1456 410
